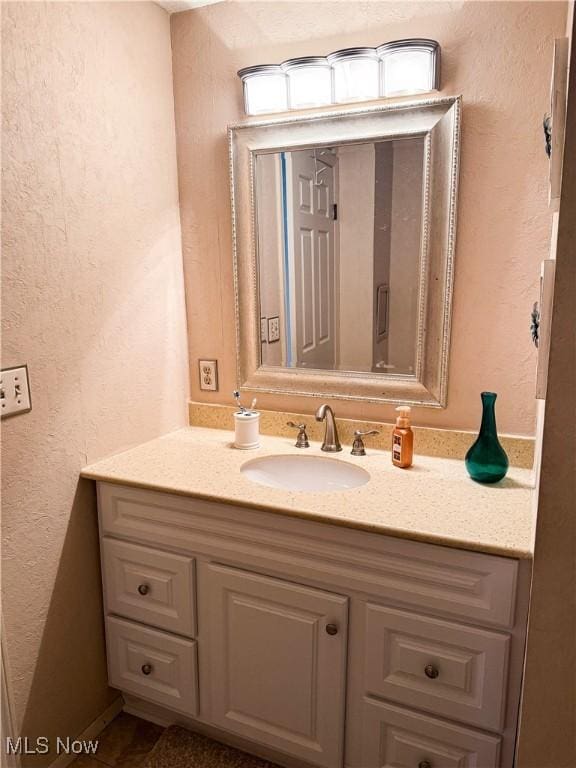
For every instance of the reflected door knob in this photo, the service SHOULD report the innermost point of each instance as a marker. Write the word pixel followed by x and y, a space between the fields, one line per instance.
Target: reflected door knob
pixel 431 671
pixel 424 764
pixel 143 589
pixel 331 629
pixel 146 669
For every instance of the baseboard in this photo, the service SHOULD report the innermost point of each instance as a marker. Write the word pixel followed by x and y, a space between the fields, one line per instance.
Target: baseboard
pixel 94 729
pixel 8 760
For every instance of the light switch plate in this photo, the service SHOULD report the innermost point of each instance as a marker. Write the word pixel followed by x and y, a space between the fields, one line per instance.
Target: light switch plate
pixel 14 391
pixel 208 370
pixel 273 329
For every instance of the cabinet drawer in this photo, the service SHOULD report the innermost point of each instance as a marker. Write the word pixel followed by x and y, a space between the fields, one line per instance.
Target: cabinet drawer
pixel 150 586
pixel 449 669
pixel 397 738
pixel 151 664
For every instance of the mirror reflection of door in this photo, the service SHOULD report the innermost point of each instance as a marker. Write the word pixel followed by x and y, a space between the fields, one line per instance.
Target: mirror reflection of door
pixel 339 232
pixel 310 272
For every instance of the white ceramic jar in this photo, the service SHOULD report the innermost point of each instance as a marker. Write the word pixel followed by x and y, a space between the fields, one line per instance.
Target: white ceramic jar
pixel 247 430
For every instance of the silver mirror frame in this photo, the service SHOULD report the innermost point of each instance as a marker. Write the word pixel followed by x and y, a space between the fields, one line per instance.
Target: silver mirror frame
pixel 438 120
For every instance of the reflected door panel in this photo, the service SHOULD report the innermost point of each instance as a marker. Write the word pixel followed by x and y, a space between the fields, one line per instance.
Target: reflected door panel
pixel 312 258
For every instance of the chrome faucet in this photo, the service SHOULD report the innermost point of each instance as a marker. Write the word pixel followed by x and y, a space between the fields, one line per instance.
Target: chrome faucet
pixel 331 442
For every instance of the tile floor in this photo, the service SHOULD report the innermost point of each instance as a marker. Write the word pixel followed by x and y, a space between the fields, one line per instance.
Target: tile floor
pixel 125 743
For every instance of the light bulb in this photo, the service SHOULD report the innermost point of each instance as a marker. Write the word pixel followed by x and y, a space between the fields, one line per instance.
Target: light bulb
pixel 409 66
pixel 264 89
pixel 356 73
pixel 309 82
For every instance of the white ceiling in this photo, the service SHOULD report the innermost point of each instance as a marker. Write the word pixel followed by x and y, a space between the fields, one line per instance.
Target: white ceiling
pixel 173 6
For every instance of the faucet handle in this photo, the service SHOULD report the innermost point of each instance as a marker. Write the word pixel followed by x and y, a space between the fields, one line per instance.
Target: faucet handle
pixel 358 444
pixel 302 439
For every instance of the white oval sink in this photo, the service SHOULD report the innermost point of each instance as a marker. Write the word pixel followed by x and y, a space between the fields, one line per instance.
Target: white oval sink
pixel 304 473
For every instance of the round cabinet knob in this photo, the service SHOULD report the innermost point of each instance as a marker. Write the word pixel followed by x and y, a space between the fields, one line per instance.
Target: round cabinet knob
pixel 331 629
pixel 146 669
pixel 424 764
pixel 143 589
pixel 432 672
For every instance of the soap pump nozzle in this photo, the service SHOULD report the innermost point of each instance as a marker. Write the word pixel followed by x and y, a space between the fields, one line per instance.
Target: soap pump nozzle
pixel 403 418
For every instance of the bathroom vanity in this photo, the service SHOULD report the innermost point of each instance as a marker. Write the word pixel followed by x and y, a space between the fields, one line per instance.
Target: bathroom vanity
pixel 380 626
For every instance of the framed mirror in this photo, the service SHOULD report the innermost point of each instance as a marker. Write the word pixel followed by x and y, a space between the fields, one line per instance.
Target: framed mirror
pixel 344 235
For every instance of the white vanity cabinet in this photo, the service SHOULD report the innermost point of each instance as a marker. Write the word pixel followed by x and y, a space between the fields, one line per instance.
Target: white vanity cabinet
pixel 310 643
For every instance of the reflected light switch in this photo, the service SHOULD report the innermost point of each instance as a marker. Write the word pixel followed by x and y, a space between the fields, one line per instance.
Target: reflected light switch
pixel 273 329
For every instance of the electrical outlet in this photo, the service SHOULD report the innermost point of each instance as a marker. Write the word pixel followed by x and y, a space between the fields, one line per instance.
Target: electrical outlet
pixel 208 375
pixel 273 329
pixel 14 391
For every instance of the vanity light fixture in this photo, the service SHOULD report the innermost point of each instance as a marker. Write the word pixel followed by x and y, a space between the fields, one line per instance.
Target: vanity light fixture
pixel 397 68
pixel 309 82
pixel 409 66
pixel 356 73
pixel 265 89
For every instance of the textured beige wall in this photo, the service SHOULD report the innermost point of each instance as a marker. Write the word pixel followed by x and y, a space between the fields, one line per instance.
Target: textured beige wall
pixel 356 258
pixel 271 245
pixel 548 715
pixel 93 302
pixel 405 234
pixel 498 56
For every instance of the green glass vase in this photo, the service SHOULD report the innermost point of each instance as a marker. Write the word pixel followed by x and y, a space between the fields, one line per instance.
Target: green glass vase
pixel 486 460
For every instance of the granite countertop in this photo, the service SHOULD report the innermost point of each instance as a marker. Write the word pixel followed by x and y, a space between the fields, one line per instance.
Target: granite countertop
pixel 433 501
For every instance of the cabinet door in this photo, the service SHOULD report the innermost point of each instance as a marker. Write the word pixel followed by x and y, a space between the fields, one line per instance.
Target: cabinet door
pixel 277 655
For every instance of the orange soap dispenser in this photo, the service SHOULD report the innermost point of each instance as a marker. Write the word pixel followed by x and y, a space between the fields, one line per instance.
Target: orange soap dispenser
pixel 402 439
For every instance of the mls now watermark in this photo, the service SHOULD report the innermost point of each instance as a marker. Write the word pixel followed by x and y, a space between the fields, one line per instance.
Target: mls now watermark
pixel 43 746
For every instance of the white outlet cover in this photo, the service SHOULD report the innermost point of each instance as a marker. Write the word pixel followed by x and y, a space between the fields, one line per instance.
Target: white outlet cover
pixel 14 391
pixel 208 370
